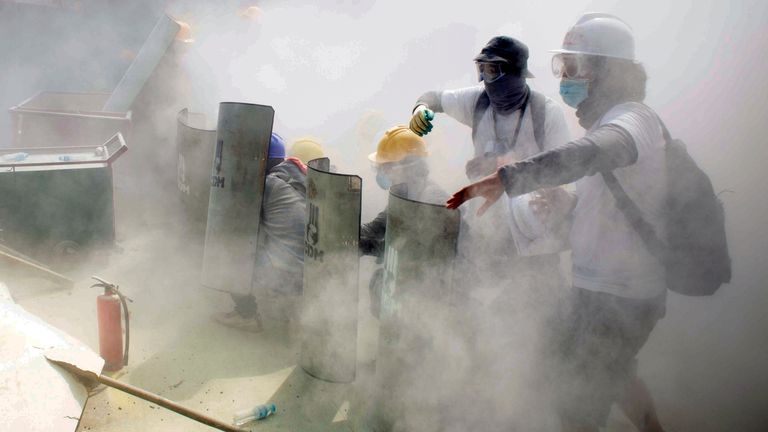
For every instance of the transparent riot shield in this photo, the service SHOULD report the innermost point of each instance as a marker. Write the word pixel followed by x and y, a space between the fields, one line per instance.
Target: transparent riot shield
pixel 195 146
pixel 420 251
pixel 331 270
pixel 237 187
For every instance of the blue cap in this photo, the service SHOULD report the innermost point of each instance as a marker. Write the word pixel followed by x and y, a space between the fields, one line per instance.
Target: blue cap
pixel 276 147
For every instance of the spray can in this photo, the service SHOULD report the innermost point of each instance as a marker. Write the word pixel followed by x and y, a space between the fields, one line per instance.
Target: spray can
pixel 108 310
pixel 256 413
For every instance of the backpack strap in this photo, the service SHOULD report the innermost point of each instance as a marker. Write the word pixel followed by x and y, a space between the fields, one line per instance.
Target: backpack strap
pixel 632 212
pixel 664 131
pixel 482 104
pixel 635 217
pixel 539 116
pixel 536 101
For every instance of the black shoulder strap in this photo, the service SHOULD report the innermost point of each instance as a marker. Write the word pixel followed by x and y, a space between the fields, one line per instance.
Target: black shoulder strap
pixel 664 130
pixel 634 216
pixel 539 117
pixel 537 102
pixel 482 104
pixel 632 212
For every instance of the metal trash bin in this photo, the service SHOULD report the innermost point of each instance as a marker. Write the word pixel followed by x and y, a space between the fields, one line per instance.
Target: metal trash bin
pixel 195 146
pixel 53 119
pixel 56 202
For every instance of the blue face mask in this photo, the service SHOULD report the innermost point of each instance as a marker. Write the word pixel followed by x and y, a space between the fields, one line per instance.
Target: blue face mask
pixel 573 91
pixel 383 181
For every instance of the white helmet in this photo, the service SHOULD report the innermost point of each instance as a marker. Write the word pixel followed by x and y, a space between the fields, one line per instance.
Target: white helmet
pixel 600 34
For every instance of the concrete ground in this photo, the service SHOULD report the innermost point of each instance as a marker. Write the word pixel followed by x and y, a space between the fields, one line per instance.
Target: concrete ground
pixel 178 352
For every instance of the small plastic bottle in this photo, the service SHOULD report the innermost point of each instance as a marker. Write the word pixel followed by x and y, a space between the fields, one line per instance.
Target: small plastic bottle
pixel 68 158
pixel 15 157
pixel 257 413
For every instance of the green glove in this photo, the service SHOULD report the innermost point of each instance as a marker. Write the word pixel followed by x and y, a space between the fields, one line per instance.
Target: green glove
pixel 421 120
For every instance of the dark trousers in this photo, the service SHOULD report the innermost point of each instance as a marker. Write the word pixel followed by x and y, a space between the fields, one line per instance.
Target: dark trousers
pixel 601 336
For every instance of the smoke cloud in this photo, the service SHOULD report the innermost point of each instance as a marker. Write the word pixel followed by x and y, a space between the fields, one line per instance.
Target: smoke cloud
pixel 345 71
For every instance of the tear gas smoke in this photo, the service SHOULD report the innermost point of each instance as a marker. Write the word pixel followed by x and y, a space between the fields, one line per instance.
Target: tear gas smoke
pixel 346 71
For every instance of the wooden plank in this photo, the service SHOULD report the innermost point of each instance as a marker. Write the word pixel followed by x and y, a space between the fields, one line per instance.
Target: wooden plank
pixel 13 259
pixel 36 396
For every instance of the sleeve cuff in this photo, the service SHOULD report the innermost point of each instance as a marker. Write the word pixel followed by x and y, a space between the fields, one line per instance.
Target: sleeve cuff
pixel 507 178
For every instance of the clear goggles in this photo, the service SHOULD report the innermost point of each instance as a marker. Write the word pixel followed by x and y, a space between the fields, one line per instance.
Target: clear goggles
pixel 489 72
pixel 569 66
pixel 388 168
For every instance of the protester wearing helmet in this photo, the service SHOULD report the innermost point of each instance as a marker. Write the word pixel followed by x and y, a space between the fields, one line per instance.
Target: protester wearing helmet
pixel 619 289
pixel 305 149
pixel 278 274
pixel 505 114
pixel 400 159
pixel 497 261
pixel 509 121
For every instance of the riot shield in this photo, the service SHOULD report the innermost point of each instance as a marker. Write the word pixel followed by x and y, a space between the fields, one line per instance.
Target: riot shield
pixel 195 146
pixel 237 187
pixel 420 251
pixel 331 270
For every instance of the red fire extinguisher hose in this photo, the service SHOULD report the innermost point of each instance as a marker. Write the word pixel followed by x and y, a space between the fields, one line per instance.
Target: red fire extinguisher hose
pixel 110 288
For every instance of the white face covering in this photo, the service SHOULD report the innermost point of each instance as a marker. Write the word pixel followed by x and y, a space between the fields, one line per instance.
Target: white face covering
pixel 404 171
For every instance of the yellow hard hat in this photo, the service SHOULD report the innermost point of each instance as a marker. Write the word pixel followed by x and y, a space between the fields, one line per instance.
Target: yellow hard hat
pixel 250 13
pixel 398 143
pixel 306 149
pixel 185 32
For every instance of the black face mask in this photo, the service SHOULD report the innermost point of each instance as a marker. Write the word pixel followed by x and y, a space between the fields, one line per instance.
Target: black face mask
pixel 507 93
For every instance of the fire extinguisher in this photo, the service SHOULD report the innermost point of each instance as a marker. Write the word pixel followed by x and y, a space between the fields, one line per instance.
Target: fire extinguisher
pixel 108 307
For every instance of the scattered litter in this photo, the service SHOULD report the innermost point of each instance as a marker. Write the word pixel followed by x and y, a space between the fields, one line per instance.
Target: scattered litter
pixel 70 158
pixel 257 413
pixel 15 157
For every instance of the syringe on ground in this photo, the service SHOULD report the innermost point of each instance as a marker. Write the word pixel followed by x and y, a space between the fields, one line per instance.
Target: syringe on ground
pixel 257 413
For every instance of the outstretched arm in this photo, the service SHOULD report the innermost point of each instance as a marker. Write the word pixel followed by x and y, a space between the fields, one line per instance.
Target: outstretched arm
pixel 431 100
pixel 607 148
pixel 424 112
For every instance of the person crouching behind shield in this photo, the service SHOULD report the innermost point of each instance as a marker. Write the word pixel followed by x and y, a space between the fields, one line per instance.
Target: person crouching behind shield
pixel 399 159
pixel 278 271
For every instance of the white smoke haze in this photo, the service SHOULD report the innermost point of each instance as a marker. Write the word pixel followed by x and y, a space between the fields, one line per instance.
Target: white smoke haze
pixel 326 68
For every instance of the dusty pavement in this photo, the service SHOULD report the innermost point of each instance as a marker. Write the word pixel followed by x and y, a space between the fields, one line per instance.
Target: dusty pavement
pixel 177 351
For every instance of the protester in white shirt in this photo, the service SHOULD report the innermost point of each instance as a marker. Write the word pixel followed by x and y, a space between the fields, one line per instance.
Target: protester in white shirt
pixel 619 292
pixel 508 279
pixel 509 121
